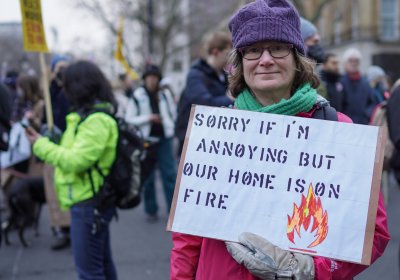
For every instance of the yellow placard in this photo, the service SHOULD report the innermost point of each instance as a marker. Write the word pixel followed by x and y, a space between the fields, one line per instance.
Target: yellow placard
pixel 32 26
pixel 118 55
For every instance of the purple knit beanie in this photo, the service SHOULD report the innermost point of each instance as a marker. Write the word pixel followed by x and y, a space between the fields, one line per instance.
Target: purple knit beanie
pixel 266 20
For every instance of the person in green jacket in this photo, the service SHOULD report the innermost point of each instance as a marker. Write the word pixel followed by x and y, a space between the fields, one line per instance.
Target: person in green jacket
pixel 90 138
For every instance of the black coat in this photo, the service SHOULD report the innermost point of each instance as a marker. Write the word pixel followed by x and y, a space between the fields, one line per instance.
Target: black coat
pixel 393 120
pixel 5 103
pixel 359 99
pixel 59 104
pixel 203 87
pixel 393 117
pixel 5 114
pixel 334 88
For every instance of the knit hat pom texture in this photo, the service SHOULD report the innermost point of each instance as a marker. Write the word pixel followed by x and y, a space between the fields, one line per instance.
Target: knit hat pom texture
pixel 266 20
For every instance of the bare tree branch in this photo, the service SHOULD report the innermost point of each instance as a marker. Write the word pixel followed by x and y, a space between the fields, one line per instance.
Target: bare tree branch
pixel 95 8
pixel 168 22
pixel 317 13
pixel 299 4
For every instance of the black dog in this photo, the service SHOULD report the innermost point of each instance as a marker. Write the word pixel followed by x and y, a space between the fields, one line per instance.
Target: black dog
pixel 25 202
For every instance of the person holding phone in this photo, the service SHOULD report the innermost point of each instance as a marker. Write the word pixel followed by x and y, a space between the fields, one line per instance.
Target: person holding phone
pixel 88 144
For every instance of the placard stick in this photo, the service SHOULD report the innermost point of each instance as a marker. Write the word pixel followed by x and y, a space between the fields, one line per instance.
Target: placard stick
pixel 46 93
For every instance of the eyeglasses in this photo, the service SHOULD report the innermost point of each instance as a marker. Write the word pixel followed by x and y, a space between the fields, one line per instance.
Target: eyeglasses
pixel 276 51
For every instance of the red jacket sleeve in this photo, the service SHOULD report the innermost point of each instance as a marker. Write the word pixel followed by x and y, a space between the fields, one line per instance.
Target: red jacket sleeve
pixel 326 269
pixel 185 256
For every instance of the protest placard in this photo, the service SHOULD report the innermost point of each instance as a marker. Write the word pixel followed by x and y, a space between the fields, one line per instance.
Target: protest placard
pixel 306 185
pixel 32 26
pixel 35 41
pixel 58 218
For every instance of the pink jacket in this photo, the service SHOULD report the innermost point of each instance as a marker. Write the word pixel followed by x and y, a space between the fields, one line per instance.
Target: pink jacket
pixel 200 258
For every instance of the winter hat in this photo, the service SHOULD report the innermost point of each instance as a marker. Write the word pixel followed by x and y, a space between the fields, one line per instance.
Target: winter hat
pixel 307 28
pixel 374 72
pixel 152 69
pixel 266 20
pixel 351 53
pixel 56 59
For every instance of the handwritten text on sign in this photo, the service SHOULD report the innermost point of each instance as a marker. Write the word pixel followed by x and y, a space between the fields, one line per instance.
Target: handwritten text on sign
pixel 303 184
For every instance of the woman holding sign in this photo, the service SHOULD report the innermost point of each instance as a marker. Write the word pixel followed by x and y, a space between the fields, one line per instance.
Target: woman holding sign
pixel 270 74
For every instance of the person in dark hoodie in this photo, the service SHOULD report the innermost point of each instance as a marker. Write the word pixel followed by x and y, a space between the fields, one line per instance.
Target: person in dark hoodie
pixel 330 75
pixel 10 81
pixel 312 39
pixel 5 114
pixel 206 82
pixel 59 101
pixel 359 99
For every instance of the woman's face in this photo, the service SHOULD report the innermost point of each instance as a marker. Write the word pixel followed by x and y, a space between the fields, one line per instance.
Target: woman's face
pixel 221 57
pixel 268 75
pixel 151 81
pixel 353 65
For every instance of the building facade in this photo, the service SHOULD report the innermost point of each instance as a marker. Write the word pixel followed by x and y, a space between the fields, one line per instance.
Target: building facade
pixel 372 26
pixel 12 54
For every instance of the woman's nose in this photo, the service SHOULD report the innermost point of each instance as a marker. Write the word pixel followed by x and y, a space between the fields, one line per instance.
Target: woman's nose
pixel 266 58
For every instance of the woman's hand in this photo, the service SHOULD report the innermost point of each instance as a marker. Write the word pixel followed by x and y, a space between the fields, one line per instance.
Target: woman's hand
pixel 32 135
pixel 155 118
pixel 28 115
pixel 267 261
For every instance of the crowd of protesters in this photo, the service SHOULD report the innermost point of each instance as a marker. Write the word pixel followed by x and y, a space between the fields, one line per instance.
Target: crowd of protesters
pixel 161 116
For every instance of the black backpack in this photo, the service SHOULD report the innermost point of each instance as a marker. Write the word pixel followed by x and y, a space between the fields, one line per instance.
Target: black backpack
pixel 325 112
pixel 122 186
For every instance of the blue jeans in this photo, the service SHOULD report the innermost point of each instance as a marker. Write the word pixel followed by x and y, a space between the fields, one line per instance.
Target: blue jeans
pixel 167 164
pixel 92 252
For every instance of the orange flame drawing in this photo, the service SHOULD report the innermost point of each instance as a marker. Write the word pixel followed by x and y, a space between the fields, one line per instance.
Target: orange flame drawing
pixel 310 207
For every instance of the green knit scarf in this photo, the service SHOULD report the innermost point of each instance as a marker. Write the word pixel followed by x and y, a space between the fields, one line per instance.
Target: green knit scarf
pixel 301 101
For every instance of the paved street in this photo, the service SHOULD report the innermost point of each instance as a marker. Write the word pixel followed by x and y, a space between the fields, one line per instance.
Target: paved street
pixel 141 250
pixel 387 267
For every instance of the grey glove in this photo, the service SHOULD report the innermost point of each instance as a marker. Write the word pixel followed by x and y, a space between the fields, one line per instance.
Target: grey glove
pixel 267 261
pixel 54 135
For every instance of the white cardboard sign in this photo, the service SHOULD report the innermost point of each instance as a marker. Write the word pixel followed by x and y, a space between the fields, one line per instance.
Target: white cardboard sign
pixel 19 148
pixel 306 185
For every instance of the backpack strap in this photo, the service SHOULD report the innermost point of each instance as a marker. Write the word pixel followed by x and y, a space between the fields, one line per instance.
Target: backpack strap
pixel 96 164
pixel 163 95
pixel 136 103
pixel 325 112
pixel 85 115
pixel 89 172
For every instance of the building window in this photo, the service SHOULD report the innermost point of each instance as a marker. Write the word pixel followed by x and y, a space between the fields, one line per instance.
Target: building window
pixel 389 23
pixel 337 28
pixel 354 19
